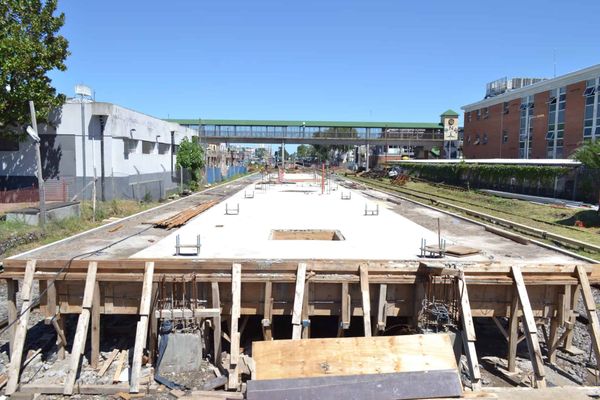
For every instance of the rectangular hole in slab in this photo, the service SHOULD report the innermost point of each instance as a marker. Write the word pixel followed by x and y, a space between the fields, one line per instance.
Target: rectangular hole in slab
pixel 306 234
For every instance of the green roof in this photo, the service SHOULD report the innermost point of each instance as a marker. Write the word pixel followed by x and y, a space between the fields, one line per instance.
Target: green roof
pixel 342 124
pixel 449 113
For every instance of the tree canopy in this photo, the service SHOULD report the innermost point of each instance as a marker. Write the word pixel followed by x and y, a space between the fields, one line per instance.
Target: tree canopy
pixel 190 155
pixel 589 155
pixel 30 47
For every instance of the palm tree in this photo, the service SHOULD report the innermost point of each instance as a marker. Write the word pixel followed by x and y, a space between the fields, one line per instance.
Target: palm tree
pixel 589 155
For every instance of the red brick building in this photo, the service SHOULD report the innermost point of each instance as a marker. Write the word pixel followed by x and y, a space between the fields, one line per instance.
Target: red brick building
pixel 548 119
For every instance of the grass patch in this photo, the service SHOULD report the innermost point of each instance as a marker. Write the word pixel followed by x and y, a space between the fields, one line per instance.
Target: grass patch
pixel 16 237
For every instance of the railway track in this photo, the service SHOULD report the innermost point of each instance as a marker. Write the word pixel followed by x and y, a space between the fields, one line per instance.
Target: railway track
pixel 541 237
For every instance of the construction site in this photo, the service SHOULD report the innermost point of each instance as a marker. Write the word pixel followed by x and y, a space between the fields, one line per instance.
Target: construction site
pixel 296 285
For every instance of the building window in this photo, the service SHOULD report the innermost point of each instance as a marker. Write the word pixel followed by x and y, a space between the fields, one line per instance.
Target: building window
pixel 477 140
pixel 486 113
pixel 485 138
pixel 556 123
pixel 591 119
pixel 468 139
pixel 526 127
pixel 478 114
pixel 148 147
pixel 163 148
pixel 505 136
pixel 468 116
pixel 131 146
pixel 505 107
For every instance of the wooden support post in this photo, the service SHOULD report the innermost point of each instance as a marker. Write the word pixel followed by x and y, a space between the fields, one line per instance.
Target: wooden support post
pixel 590 307
pixel 51 309
pixel 468 332
pixel 346 310
pixel 82 328
pixel 533 344
pixel 418 297
pixel 366 298
pixel 298 301
pixel 568 342
pixel 153 342
pixel 12 286
pixel 267 322
pixel 513 334
pixel 216 303
pixel 61 342
pixel 234 357
pixel 95 348
pixel 141 333
pixel 20 331
pixel 551 345
pixel 382 308
pixel 305 312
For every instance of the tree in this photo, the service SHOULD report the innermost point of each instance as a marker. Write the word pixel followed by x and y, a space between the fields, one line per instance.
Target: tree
pixel 323 151
pixel 589 155
pixel 29 48
pixel 261 153
pixel 190 155
pixel 304 151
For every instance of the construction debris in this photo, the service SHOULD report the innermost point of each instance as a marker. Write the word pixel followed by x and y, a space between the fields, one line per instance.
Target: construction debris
pixel 182 217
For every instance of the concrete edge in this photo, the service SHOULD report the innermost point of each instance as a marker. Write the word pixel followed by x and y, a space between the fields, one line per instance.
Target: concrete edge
pixel 125 218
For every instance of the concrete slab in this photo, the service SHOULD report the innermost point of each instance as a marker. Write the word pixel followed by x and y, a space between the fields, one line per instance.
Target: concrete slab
pixel 298 206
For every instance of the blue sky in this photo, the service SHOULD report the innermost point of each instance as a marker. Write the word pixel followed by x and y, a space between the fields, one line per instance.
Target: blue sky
pixel 314 59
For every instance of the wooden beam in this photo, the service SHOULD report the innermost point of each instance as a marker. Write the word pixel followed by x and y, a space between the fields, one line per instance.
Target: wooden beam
pixel 572 317
pixel 513 334
pixel 382 308
pixel 12 287
pixel 533 344
pixel 366 298
pixel 216 304
pixel 20 332
pixel 141 334
pixel 298 301
pixel 590 307
pixel 82 329
pixel 120 363
pixel 153 340
pixel 305 311
pixel 468 333
pixel 108 362
pixel 267 322
pixel 553 339
pixel 61 342
pixel 346 310
pixel 51 299
pixel 95 345
pixel 234 356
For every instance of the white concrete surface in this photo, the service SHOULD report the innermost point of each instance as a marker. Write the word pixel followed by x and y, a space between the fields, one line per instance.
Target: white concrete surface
pixel 298 206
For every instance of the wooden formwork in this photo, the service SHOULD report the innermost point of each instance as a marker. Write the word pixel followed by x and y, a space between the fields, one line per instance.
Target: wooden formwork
pixel 215 289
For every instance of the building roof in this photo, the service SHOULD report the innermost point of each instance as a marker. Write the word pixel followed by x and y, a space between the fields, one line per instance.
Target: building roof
pixel 449 113
pixel 548 84
pixel 336 124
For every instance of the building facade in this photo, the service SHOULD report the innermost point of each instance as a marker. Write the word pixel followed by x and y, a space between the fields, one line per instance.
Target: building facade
pixel 547 119
pixel 133 154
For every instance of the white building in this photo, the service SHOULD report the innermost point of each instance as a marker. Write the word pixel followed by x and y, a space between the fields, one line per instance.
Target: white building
pixel 133 154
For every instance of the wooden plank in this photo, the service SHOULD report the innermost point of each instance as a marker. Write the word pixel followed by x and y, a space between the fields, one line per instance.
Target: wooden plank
pixel 141 334
pixel 535 353
pixel 280 359
pixel 107 363
pixel 120 365
pixel 50 301
pixel 382 308
pixel 572 301
pixel 468 333
pixel 234 357
pixel 513 334
pixel 298 301
pixel 366 299
pixel 552 344
pixel 12 287
pixel 101 390
pixel 267 322
pixel 20 332
pixel 590 307
pixel 61 341
pixel 216 304
pixel 153 340
pixel 346 306
pixel 95 336
pixel 82 329
pixel 391 386
pixel 305 311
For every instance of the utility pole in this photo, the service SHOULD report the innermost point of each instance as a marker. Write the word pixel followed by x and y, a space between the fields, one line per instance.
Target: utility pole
pixel 41 189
